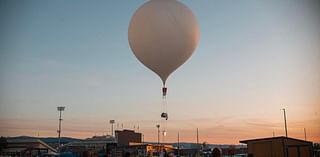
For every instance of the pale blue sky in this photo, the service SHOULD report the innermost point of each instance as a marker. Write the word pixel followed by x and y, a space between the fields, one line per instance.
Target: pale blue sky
pixel 252 57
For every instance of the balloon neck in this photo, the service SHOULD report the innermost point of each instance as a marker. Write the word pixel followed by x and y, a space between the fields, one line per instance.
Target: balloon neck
pixel 164 91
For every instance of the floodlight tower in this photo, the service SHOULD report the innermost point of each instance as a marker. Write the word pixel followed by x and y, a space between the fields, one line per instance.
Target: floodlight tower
pixel 112 122
pixel 60 109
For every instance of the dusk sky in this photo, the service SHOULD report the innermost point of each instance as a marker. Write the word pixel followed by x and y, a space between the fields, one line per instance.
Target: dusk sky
pixel 253 58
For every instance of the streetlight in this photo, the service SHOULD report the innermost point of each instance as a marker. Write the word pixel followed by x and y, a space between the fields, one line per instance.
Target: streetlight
pixel 285 121
pixel 158 126
pixel 112 122
pixel 60 109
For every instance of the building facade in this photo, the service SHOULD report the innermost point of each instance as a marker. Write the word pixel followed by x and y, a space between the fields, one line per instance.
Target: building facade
pixel 26 148
pixel 125 137
pixel 279 147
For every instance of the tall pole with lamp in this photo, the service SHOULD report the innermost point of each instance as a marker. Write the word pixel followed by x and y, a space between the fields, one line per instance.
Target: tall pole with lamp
pixel 158 126
pixel 60 109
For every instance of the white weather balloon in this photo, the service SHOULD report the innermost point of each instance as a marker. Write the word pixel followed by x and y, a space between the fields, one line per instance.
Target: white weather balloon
pixel 163 34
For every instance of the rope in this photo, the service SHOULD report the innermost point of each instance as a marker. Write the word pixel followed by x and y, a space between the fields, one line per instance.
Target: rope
pixel 164 120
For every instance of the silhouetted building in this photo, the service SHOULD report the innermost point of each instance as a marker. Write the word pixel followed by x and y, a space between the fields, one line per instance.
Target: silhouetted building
pixel 95 146
pixel 26 147
pixel 125 137
pixel 279 147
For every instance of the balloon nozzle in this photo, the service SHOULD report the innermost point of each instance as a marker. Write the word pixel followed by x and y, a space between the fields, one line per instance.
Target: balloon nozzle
pixel 164 91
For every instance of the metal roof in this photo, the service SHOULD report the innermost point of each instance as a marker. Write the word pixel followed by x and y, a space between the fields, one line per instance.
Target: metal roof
pixel 273 138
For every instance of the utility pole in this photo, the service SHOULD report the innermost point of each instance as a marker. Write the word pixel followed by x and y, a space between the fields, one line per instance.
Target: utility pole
pixel 60 109
pixel 198 147
pixel 197 136
pixel 285 121
pixel 305 134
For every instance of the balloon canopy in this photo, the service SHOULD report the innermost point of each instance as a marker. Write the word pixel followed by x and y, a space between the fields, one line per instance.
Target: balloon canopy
pixel 163 34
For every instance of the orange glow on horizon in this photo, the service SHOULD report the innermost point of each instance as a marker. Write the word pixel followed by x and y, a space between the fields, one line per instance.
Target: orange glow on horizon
pixel 214 135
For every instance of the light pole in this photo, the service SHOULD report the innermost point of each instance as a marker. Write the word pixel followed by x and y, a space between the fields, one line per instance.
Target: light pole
pixel 60 109
pixel 112 122
pixel 285 121
pixel 158 126
pixel 178 144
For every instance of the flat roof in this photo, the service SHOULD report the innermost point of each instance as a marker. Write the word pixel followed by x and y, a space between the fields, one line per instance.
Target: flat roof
pixel 273 138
